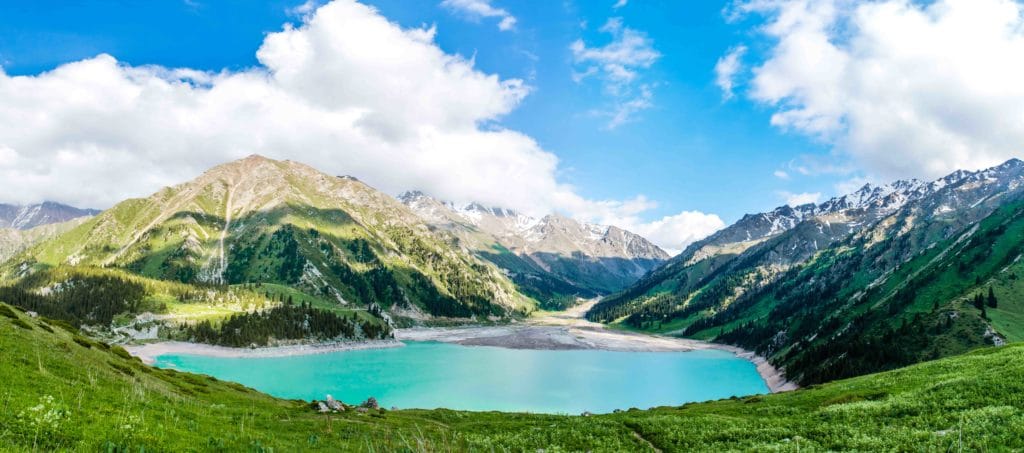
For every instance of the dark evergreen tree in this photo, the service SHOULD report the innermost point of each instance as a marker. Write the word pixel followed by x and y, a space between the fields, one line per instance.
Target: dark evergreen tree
pixel 285 322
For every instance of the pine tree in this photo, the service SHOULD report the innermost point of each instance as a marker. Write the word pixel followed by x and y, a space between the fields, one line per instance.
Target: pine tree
pixel 992 302
pixel 979 302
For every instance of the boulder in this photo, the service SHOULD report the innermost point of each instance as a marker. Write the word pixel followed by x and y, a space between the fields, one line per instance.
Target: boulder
pixel 371 403
pixel 334 404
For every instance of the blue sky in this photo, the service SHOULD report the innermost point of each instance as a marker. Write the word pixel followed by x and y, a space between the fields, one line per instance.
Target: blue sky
pixel 688 149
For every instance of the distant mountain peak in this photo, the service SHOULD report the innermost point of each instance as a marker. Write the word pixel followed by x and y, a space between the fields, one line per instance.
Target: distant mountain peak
pixel 511 221
pixel 857 209
pixel 1012 163
pixel 262 220
pixel 607 257
pixel 24 217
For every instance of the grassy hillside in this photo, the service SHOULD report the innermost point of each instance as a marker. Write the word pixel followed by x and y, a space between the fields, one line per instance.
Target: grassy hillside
pixel 65 392
pixel 894 292
pixel 279 222
pixel 14 240
pixel 869 305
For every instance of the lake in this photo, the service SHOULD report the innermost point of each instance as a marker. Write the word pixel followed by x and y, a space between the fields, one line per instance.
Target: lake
pixel 431 375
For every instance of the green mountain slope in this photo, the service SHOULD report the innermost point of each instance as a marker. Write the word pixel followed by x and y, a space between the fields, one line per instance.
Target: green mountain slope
pixel 922 308
pixel 279 222
pixel 13 240
pixel 65 392
pixel 890 292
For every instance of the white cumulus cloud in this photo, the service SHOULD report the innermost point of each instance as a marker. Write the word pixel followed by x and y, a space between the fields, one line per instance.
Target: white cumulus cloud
pixel 726 69
pixel 346 91
pixel 618 64
pixel 903 88
pixel 479 9
pixel 798 199
pixel 673 233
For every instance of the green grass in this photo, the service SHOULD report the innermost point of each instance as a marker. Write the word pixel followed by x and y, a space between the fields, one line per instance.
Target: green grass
pixel 298 297
pixel 63 392
pixel 1008 317
pixel 1009 322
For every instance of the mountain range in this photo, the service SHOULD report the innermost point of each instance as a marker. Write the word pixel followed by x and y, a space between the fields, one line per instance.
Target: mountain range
pixel 258 220
pixel 883 277
pixel 26 217
pixel 554 259
pixel 864 282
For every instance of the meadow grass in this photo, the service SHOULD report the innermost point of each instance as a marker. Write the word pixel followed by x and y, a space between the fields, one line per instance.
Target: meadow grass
pixel 64 392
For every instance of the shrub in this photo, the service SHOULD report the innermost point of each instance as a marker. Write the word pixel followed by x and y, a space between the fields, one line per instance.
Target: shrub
pixel 22 324
pixel 82 341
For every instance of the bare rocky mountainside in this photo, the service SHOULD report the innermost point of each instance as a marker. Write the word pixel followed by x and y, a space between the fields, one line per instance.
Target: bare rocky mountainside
pixel 899 264
pixel 30 216
pixel 553 258
pixel 259 221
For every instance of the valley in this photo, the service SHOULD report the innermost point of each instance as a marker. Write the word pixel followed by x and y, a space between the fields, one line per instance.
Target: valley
pixel 274 266
pixel 512 226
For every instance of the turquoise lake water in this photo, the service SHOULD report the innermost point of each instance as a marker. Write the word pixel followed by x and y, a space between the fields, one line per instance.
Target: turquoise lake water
pixel 431 375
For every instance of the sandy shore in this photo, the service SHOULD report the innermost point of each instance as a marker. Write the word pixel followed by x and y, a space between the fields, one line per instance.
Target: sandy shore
pixel 149 352
pixel 551 337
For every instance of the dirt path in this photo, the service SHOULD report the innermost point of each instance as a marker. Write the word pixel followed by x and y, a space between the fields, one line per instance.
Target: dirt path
pixel 643 440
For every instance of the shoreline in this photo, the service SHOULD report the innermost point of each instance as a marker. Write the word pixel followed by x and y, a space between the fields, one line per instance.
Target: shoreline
pixel 514 336
pixel 150 351
pixel 773 377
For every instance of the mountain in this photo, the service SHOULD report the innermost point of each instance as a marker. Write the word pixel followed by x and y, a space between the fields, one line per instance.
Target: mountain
pixel 13 241
pixel 259 221
pixel 550 258
pixel 826 290
pixel 31 216
pixel 65 392
pixel 758 247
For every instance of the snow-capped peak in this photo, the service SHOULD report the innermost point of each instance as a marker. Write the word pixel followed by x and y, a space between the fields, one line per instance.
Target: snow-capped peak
pixel 552 233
